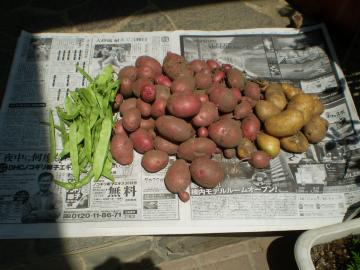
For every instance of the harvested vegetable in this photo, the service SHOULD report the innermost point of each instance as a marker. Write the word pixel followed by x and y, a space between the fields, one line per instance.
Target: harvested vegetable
pixel 87 122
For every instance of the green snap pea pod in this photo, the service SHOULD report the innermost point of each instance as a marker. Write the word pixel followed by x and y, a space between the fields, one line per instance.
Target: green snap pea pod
pixel 70 107
pixel 107 168
pixel 66 116
pixel 104 76
pixel 84 181
pixel 84 74
pixel 94 115
pixel 52 154
pixel 87 140
pixel 75 185
pixel 74 151
pixel 102 147
pixel 89 95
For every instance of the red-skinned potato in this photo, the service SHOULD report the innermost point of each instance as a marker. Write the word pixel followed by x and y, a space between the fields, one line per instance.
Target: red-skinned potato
pixel 203 79
pixel 195 148
pixel 158 108
pixel 154 160
pixel 127 105
pixel 237 93
pixel 250 127
pixel 147 123
pixel 148 93
pixel 208 114
pixel 143 107
pixel 235 78
pixel 163 80
pixel 242 110
pixel 117 102
pixel 223 98
pixel 126 87
pixel 145 72
pixel 150 62
pixel 225 132
pixel 183 84
pixel 206 172
pixel 121 148
pixel 260 159
pixel 118 128
pixel 184 196
pixel 202 96
pixel 252 90
pixel 197 65
pixel 173 65
pixel 212 64
pixel 178 177
pixel 218 76
pixel 131 119
pixel 174 129
pixel 183 105
pixel 165 145
pixel 128 72
pixel 139 84
pixel 202 132
pixel 142 140
pixel 162 91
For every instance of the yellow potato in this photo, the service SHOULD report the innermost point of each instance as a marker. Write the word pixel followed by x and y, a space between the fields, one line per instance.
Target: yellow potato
pixel 318 106
pixel 275 95
pixel 264 109
pixel 286 123
pixel 290 90
pixel 303 103
pixel 315 130
pixel 296 143
pixel 268 144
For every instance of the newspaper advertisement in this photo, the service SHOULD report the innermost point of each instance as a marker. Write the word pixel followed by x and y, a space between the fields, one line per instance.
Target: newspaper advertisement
pixel 297 191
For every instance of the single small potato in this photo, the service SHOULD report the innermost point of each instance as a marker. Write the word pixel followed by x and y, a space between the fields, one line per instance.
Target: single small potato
pixel 183 104
pixel 149 61
pixel 206 172
pixel 122 149
pixel 315 130
pixel 165 145
pixel 147 123
pixel 286 123
pixel 178 177
pixel 235 78
pixel 208 114
pixel 158 108
pixel 252 90
pixel 290 90
pixel 303 103
pixel 243 109
pixel 154 160
pixel 127 105
pixel 184 196
pixel 142 140
pixel 275 95
pixel 131 119
pixel 225 132
pixel 195 148
pixel 174 129
pixel 318 106
pixel 296 143
pixel 259 159
pixel 250 127
pixel 128 72
pixel 245 148
pixel 268 144
pixel 265 109
pixel 143 107
pixel 223 98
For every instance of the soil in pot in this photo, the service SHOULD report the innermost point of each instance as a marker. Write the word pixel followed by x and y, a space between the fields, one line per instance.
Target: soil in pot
pixel 338 254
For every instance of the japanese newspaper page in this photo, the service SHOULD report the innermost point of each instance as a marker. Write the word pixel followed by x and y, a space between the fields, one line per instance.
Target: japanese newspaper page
pixel 297 191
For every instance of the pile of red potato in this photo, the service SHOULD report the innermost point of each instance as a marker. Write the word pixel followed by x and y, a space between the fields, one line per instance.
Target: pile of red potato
pixel 197 109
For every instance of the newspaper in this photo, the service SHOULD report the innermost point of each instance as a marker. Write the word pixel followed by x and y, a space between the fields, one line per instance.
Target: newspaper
pixel 298 191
